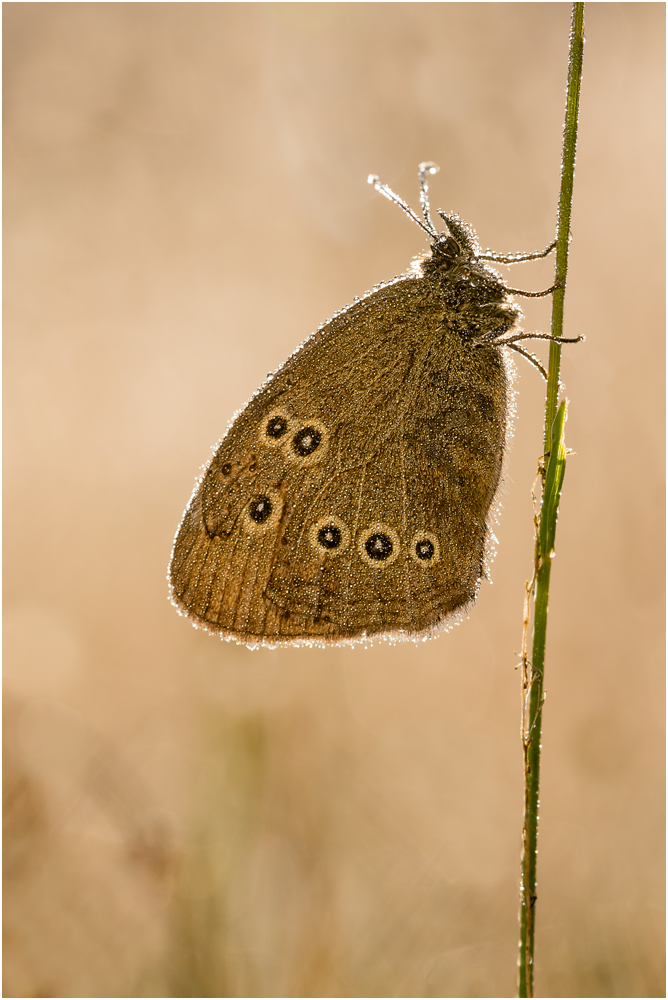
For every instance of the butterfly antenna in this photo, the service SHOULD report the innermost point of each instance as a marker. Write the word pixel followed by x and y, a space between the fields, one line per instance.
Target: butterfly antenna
pixel 423 170
pixel 391 196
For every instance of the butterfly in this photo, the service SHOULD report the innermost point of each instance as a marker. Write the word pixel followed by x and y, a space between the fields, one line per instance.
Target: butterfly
pixel 353 496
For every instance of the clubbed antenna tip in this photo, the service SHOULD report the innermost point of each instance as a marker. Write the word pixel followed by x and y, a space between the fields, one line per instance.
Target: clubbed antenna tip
pixel 388 193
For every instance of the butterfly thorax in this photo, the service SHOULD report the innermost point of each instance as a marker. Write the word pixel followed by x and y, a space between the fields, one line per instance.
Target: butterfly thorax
pixel 477 302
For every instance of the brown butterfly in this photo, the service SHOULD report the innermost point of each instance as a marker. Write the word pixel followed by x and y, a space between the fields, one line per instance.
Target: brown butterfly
pixel 352 495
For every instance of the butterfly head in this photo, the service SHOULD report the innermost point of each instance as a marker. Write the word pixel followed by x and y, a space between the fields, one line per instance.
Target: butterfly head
pixel 454 258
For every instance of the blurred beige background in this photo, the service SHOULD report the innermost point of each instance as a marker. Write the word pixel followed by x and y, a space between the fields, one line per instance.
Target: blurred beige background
pixel 185 201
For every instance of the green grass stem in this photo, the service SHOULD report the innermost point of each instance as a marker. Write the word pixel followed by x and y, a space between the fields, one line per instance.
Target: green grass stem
pixel 552 476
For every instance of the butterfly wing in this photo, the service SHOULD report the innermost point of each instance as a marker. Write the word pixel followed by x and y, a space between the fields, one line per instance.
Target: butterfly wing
pixel 350 497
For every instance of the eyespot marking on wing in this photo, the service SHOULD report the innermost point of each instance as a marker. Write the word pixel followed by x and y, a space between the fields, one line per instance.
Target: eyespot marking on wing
pixel 378 545
pixel 424 548
pixel 329 535
pixel 275 428
pixel 263 512
pixel 308 442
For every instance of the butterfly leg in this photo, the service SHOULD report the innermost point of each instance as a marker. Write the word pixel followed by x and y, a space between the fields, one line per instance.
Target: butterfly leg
pixel 536 336
pixel 530 357
pixel 534 295
pixel 516 258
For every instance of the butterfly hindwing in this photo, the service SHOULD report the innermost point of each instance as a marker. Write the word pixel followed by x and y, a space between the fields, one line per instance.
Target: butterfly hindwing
pixel 350 496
